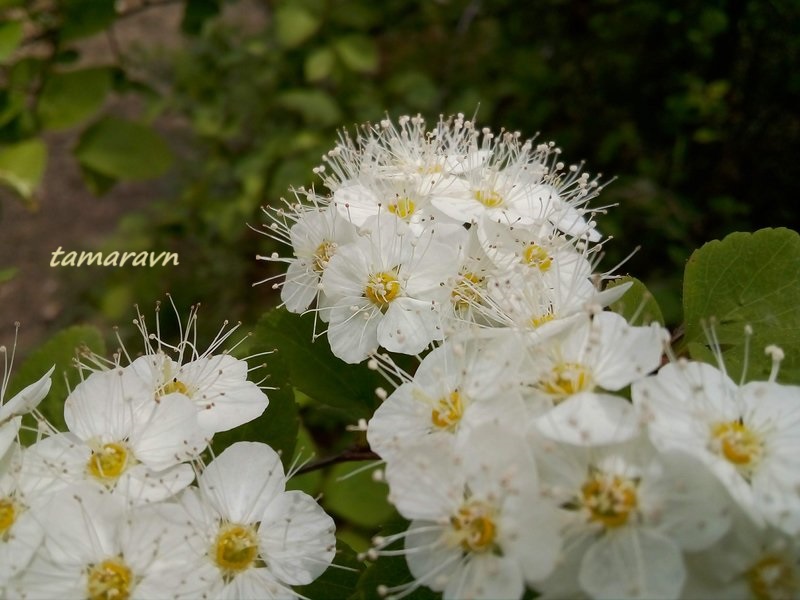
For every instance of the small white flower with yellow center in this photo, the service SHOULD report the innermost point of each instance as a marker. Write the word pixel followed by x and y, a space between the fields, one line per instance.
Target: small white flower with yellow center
pixel 521 183
pixel 630 514
pixel 100 549
pixel 21 530
pixel 120 440
pixel 480 528
pixel 254 539
pixel 457 387
pixel 747 435
pixel 386 290
pixel 544 303
pixel 366 197
pixel 217 383
pixel 314 233
pixel 576 371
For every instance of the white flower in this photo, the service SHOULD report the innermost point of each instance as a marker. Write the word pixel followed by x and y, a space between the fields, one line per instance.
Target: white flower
pixel 457 387
pixel 314 233
pixel 480 527
pixel 544 303
pixel 749 435
pixel 254 538
pixel 386 289
pixel 120 440
pixel 216 383
pixel 21 531
pixel 408 153
pixel 97 547
pixel 631 514
pixel 576 370
pixel 25 401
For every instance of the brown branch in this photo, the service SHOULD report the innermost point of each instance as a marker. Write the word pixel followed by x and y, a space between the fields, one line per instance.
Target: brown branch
pixel 349 455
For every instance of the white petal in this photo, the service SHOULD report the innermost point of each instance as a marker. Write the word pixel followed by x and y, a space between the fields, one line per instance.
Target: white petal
pixel 167 433
pixel 296 538
pixel 408 326
pixel 633 563
pixel 590 419
pixel 486 576
pixel 242 481
pixel 27 399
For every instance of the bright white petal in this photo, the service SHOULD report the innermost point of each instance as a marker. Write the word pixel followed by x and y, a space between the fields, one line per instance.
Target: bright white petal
pixel 243 480
pixel 590 419
pixel 633 563
pixel 296 538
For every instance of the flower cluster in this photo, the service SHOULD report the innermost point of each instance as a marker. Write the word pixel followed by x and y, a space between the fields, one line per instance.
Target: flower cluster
pixel 126 504
pixel 540 444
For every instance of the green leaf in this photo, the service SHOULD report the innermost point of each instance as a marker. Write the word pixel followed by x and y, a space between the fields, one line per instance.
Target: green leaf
pixel 97 183
pixel 10 36
pixel 12 103
pixel 123 150
pixel 746 279
pixel 277 426
pixel 83 18
pixel 319 64
pixel 638 305
pixel 22 166
pixel 71 97
pixel 312 368
pixel 358 53
pixel 60 350
pixel 356 497
pixel 315 106
pixel 294 25
pixel 339 580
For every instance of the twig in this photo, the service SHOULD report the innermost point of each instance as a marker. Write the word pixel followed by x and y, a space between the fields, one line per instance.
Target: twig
pixel 349 455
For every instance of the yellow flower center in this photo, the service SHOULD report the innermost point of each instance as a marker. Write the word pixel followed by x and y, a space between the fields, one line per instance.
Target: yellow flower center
pixel 322 255
pixel 403 208
pixel 109 462
pixel 382 288
pixel 465 291
pixel 236 548
pixel 609 499
pixel 173 387
pixel 772 578
pixel 737 443
pixel 8 514
pixel 539 320
pixel 110 580
pixel 566 379
pixel 474 527
pixel 489 198
pixel 448 411
pixel 536 256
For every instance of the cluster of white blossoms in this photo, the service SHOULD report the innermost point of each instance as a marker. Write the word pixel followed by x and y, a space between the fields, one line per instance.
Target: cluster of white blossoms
pixel 540 444
pixel 127 503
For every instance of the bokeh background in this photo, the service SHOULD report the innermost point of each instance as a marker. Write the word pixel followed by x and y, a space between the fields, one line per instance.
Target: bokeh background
pixel 165 125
